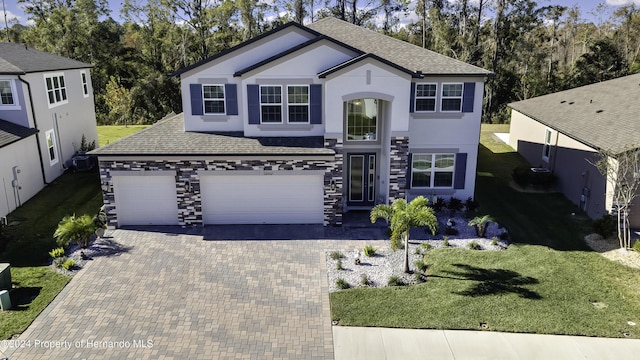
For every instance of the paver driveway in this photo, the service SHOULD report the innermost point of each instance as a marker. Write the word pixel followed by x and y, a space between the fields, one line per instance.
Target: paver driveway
pixel 178 296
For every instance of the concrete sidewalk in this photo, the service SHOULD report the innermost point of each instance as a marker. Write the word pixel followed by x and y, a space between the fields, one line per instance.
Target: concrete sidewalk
pixel 383 343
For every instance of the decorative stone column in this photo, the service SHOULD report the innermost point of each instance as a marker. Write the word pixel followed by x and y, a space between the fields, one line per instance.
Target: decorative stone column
pixel 333 184
pixel 398 165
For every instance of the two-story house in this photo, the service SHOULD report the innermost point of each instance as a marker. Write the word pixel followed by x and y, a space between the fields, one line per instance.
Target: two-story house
pixel 46 106
pixel 300 125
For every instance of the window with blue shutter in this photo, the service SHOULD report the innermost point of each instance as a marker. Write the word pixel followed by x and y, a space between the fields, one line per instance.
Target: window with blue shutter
pixel 461 171
pixel 196 99
pixel 316 103
pixel 253 103
pixel 467 100
pixel 231 98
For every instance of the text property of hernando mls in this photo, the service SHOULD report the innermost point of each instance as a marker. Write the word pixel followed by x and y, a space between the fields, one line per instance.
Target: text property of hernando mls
pixel 79 344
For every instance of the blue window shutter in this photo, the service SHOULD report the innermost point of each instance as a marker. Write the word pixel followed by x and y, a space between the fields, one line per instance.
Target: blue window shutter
pixel 413 98
pixel 253 102
pixel 460 171
pixel 410 164
pixel 467 99
pixel 231 98
pixel 315 102
pixel 196 99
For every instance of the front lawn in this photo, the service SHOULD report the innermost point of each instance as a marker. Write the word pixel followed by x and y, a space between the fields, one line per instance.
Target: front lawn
pixel 110 133
pixel 548 282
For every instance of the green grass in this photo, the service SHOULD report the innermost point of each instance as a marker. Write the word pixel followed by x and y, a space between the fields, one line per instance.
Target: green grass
pixel 34 289
pixel 546 283
pixel 110 133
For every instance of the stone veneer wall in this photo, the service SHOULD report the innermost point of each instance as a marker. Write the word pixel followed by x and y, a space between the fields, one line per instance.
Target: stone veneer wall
pixel 333 198
pixel 189 199
pixel 399 163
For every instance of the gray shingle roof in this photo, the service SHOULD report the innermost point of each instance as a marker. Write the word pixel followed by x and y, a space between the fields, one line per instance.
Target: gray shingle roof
pixel 10 133
pixel 604 115
pixel 400 52
pixel 167 137
pixel 18 59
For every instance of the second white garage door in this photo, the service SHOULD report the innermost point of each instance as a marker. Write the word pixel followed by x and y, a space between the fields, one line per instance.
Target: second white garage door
pixel 146 200
pixel 262 199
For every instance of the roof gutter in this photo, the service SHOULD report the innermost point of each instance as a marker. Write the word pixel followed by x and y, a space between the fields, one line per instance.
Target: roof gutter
pixel 35 124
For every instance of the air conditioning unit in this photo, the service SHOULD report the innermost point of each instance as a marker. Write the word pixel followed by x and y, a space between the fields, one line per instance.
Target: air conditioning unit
pixel 84 162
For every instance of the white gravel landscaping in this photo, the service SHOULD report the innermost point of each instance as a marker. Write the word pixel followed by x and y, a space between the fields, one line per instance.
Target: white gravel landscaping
pixel 99 246
pixel 387 263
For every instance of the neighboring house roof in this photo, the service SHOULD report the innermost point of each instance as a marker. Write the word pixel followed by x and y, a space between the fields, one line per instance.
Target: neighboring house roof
pixel 602 115
pixel 167 137
pixel 18 59
pixel 10 133
pixel 400 52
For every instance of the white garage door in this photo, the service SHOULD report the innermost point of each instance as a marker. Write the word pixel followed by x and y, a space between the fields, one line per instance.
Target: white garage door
pixel 146 200
pixel 262 199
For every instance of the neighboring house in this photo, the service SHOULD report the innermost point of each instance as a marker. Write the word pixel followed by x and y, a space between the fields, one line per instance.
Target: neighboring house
pixel 300 125
pixel 46 106
pixel 564 131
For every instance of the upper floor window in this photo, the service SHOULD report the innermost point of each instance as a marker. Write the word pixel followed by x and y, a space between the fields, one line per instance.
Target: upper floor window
pixel 213 99
pixel 85 83
pixel 432 170
pixel 298 103
pixel 6 92
pixel 451 97
pixel 426 97
pixel 56 89
pixel 362 120
pixel 271 104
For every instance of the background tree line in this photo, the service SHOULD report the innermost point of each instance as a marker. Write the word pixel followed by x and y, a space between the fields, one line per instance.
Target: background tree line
pixel 533 50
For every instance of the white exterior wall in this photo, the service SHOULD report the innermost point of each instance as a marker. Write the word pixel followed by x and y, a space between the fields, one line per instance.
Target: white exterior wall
pixel 70 121
pixel 19 112
pixel 22 154
pixel 368 79
pixel 221 71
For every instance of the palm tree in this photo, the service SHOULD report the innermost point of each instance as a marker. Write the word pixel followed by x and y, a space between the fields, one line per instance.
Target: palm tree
pixel 74 228
pixel 402 217
pixel 480 223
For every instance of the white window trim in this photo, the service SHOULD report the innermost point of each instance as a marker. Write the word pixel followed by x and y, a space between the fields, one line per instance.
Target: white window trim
pixel 51 133
pixel 442 97
pixel 46 90
pixel 307 104
pixel 84 82
pixel 224 100
pixel 433 170
pixel 14 93
pixel 416 98
pixel 547 144
pixel 281 103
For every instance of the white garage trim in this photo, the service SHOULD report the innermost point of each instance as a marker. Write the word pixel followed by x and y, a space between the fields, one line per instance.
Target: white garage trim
pixel 236 198
pixel 146 200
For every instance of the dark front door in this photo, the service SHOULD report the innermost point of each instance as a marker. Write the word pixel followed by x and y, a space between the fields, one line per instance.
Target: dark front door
pixel 361 179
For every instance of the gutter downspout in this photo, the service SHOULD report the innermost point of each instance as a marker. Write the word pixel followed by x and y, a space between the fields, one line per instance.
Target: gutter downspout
pixel 35 124
pixel 555 153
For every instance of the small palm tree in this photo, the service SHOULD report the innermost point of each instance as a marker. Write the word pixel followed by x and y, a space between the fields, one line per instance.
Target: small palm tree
pixel 480 223
pixel 74 228
pixel 402 217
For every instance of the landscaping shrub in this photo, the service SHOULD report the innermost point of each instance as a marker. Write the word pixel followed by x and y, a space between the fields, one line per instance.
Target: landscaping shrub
pixel 364 280
pixel 75 228
pixel 395 281
pixel 480 224
pixel 420 265
pixel 342 284
pixel 57 262
pixel 369 251
pixel 446 241
pixel 605 226
pixel 335 255
pixel 419 277
pixel 339 265
pixel 68 264
pixel 636 246
pixel 474 245
pixel 471 205
pixel 439 204
pixel 57 253
pixel 454 205
pixel 494 241
pixel 426 246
